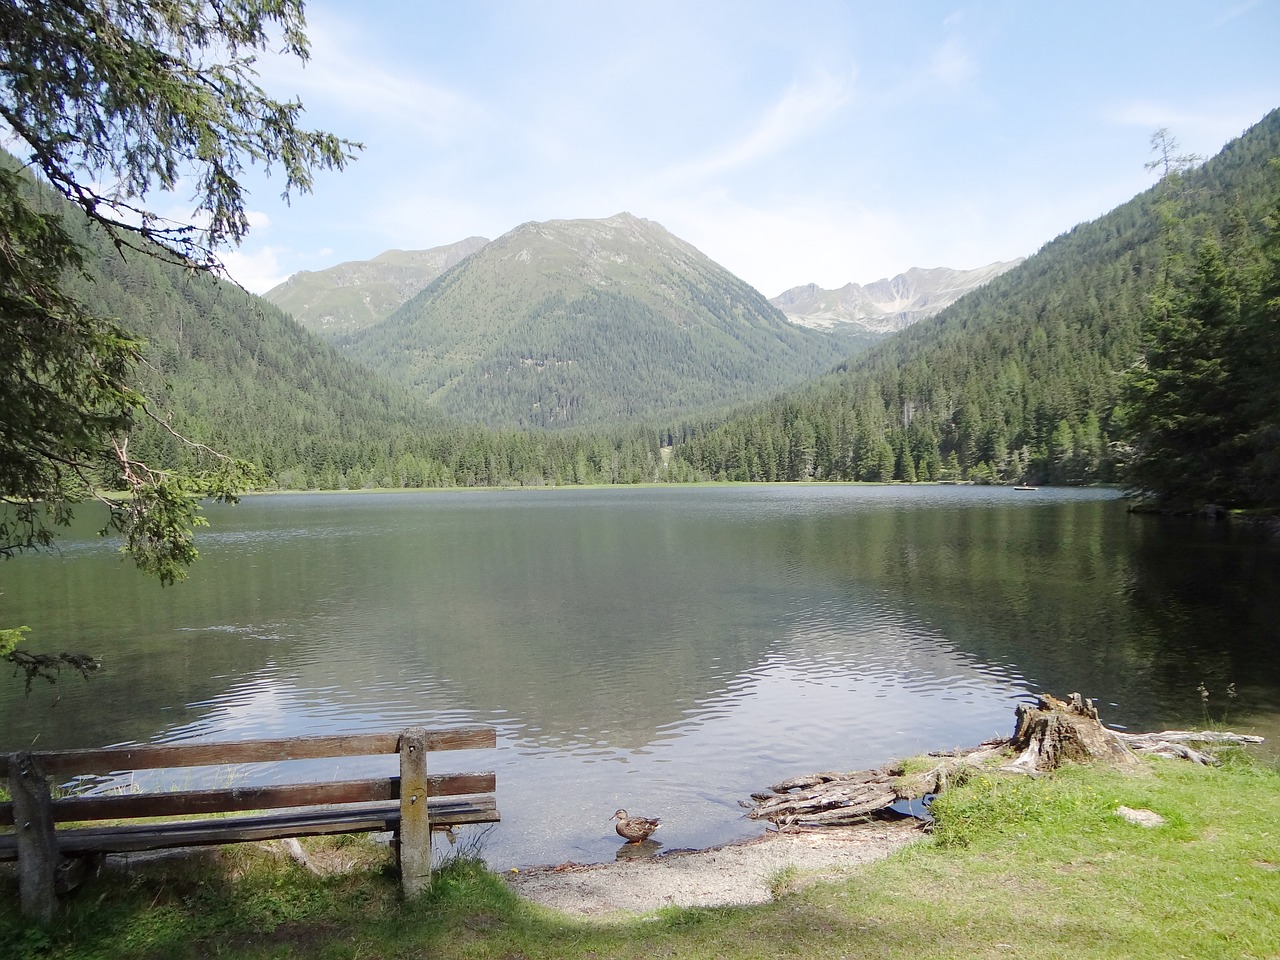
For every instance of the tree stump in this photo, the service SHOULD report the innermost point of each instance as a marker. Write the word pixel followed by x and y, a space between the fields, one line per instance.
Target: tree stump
pixel 1054 732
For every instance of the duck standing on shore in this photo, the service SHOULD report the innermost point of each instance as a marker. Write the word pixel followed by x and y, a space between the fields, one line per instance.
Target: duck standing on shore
pixel 634 829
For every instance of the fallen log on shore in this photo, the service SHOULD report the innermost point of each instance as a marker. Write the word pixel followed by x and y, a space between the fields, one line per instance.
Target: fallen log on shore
pixel 1047 734
pixel 1174 744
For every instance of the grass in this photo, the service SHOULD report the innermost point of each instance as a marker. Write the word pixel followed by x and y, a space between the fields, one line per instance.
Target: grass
pixel 1016 868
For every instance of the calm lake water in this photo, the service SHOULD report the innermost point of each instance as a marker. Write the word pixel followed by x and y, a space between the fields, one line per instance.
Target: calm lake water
pixel 670 650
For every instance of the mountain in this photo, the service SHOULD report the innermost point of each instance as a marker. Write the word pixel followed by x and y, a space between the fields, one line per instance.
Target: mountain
pixel 885 306
pixel 225 368
pixel 1016 380
pixel 228 369
pixel 588 323
pixel 1020 379
pixel 360 293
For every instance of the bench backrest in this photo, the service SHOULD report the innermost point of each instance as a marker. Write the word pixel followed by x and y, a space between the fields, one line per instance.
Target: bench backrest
pixel 115 760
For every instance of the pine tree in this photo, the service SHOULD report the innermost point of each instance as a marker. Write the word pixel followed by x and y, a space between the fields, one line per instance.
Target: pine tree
pixel 138 95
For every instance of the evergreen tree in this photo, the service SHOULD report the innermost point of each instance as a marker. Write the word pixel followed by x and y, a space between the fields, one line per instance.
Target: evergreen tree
pixel 138 94
pixel 1201 406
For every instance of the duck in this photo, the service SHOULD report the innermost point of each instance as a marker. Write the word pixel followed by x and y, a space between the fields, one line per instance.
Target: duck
pixel 634 829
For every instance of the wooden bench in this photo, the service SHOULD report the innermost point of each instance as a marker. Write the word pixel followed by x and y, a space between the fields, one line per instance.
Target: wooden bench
pixel 409 805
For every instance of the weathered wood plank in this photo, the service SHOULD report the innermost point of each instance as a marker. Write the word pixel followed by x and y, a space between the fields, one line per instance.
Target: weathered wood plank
pixel 295 810
pixel 413 842
pixel 181 802
pixel 34 842
pixel 152 756
pixel 383 815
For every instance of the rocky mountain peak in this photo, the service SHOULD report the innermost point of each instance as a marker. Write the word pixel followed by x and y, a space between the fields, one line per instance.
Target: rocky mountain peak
pixel 885 305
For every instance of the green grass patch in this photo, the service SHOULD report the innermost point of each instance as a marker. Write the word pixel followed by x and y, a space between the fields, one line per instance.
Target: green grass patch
pixel 1017 867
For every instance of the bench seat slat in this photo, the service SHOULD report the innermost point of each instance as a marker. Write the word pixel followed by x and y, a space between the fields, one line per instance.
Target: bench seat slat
pixel 349 818
pixel 268 797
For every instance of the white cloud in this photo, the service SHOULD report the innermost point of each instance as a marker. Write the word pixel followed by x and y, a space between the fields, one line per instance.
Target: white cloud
pixel 419 220
pixel 1202 127
pixel 258 270
pixel 952 65
pixel 343 77
pixel 943 151
pixel 803 109
pixel 258 220
pixel 763 244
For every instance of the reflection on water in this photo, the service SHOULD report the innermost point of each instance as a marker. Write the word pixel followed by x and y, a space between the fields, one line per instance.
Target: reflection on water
pixel 666 650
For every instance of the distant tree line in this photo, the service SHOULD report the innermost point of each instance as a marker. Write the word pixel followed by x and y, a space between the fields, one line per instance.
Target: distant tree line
pixel 1041 375
pixel 1037 377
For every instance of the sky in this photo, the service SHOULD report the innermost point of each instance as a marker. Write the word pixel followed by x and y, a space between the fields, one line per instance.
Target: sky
pixel 797 142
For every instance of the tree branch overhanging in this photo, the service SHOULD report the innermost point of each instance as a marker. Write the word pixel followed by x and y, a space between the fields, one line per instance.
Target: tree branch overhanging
pixel 105 104
pixel 147 94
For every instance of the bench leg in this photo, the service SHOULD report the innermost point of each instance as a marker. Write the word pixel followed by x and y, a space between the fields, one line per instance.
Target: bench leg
pixel 37 843
pixel 415 824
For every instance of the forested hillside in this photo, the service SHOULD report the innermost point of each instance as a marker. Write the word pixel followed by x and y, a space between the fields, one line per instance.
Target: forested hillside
pixel 230 370
pixel 576 323
pixel 1018 381
pixel 355 295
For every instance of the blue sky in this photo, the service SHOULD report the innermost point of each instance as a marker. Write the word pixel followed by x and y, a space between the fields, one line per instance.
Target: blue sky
pixel 796 142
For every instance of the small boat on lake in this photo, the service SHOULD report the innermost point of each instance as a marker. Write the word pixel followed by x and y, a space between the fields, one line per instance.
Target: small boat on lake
pixel 1025 487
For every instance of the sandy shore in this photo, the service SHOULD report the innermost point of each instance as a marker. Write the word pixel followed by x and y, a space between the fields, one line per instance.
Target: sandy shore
pixel 737 873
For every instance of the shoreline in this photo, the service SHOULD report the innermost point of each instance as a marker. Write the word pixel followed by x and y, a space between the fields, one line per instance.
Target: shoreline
pixel 735 874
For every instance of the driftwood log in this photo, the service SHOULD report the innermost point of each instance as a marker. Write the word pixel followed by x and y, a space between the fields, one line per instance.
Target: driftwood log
pixel 1174 744
pixel 1049 733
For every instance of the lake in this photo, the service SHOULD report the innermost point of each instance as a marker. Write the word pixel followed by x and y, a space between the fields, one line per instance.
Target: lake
pixel 668 650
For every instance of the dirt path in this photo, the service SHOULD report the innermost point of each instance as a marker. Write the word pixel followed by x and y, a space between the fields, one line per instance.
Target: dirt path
pixel 738 873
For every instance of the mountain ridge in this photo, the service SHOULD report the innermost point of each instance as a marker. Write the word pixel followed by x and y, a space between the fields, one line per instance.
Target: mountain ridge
pixel 1021 380
pixel 565 323
pixel 360 293
pixel 1017 381
pixel 886 305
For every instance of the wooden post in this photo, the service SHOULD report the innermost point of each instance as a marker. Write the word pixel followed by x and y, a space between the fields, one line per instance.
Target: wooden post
pixel 37 843
pixel 415 824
